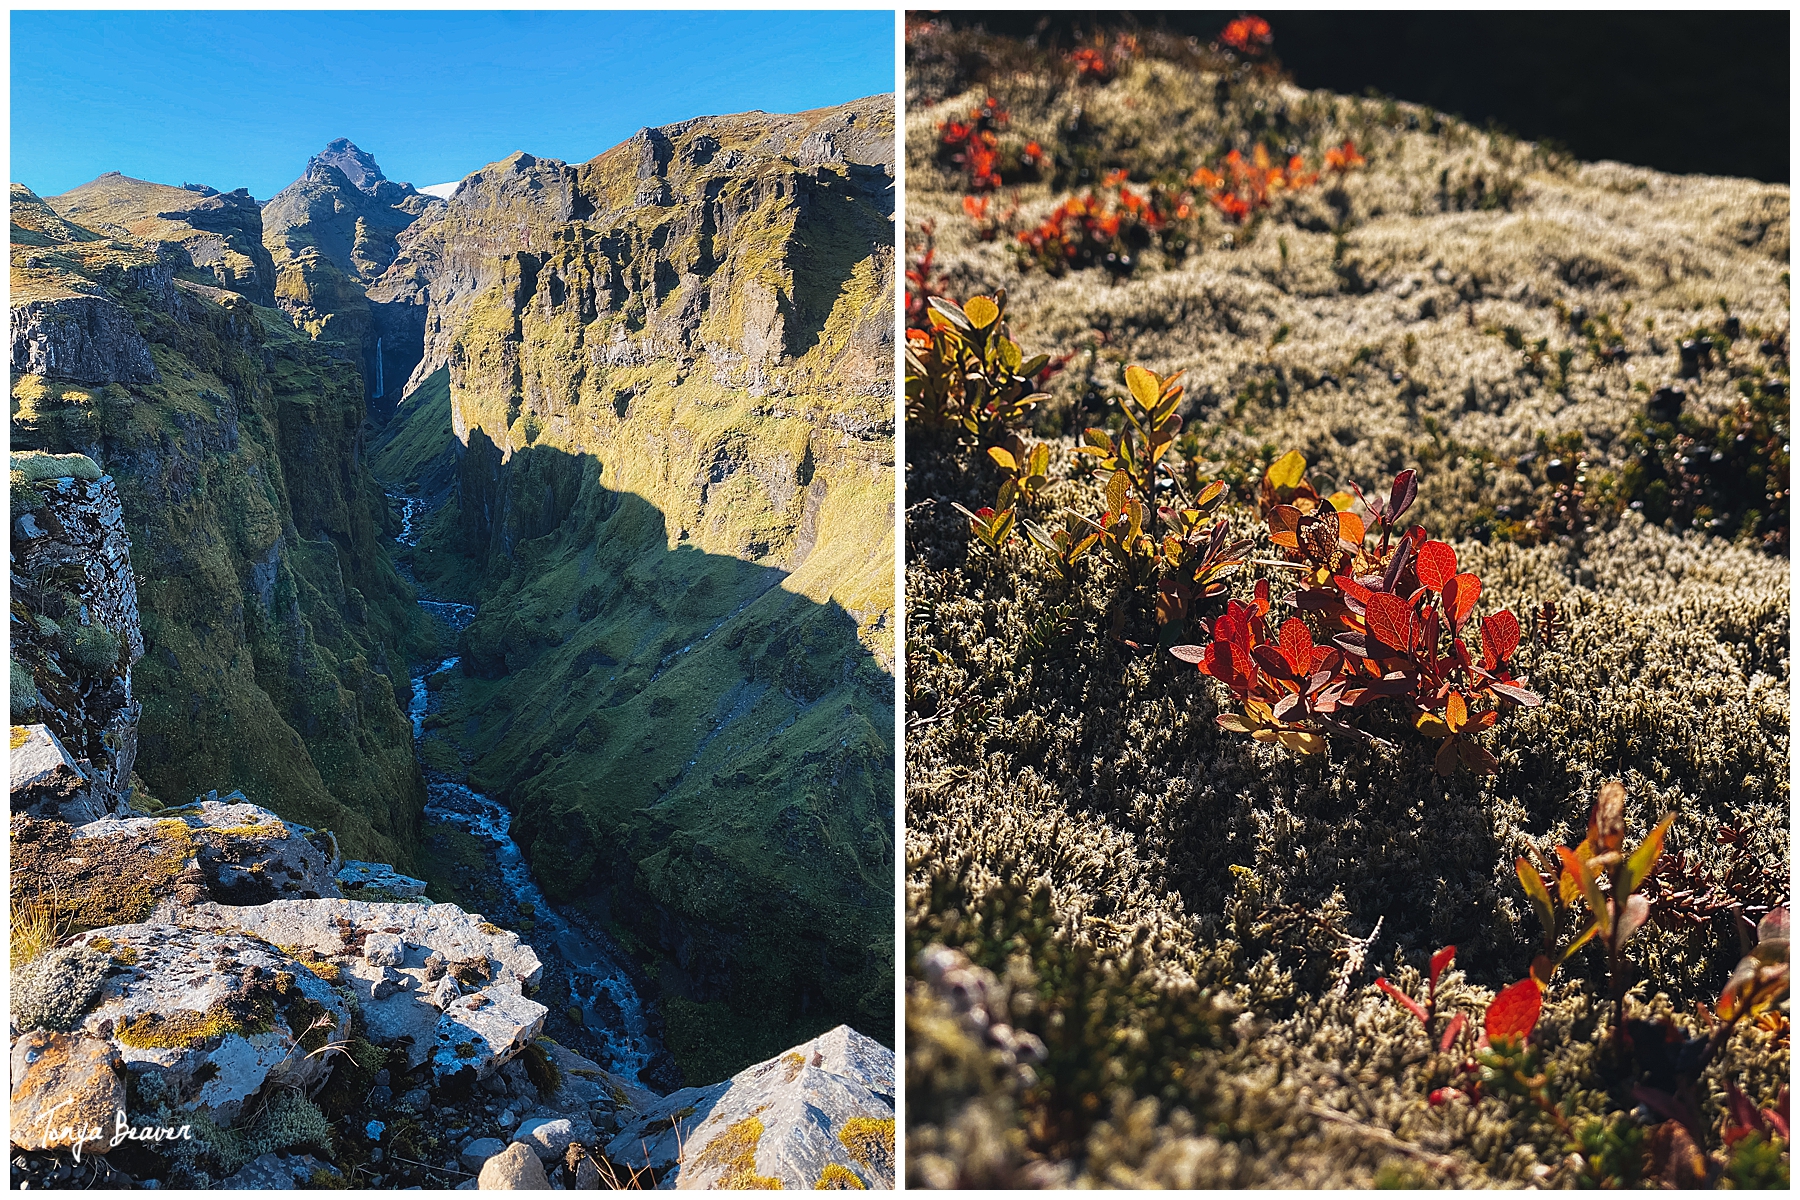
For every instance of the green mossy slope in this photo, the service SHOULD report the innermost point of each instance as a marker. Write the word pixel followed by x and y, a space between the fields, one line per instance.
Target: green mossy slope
pixel 671 427
pixel 277 633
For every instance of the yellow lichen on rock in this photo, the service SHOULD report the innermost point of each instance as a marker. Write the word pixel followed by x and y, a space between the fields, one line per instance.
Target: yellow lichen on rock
pixel 734 1153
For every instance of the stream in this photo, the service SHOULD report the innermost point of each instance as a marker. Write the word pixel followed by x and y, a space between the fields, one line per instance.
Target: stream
pixel 599 982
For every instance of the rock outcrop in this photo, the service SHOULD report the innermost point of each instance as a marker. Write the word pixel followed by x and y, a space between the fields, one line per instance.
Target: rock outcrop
pixel 67 1089
pixel 220 233
pixel 214 1017
pixel 76 634
pixel 90 339
pixel 444 984
pixel 821 1112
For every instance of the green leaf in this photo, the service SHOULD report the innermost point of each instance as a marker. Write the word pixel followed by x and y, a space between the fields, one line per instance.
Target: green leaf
pixel 1033 365
pixel 1587 935
pixel 948 310
pixel 1539 895
pixel 1643 859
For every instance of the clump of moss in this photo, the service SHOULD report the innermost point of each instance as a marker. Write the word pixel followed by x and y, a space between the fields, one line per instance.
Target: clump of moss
pixel 34 467
pixel 93 647
pixel 838 1178
pixel 541 1070
pixel 55 990
pixel 180 1030
pixel 25 697
pixel 734 1152
pixel 353 1073
pixel 870 1141
pixel 286 1120
pixel 115 879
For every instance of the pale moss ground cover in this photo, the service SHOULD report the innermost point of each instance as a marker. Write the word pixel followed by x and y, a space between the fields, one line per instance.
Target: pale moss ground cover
pixel 1175 910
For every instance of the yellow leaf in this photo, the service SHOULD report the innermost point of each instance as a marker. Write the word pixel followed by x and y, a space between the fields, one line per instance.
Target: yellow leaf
pixel 1300 740
pixel 1004 458
pixel 1287 471
pixel 1115 491
pixel 1145 386
pixel 981 312
pixel 1432 726
pixel 1342 502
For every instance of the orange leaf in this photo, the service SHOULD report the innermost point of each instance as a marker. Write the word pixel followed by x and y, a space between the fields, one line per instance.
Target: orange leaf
pixel 1436 564
pixel 1297 645
pixel 1514 1012
pixel 1284 522
pixel 1390 620
pixel 1350 528
pixel 1460 595
pixel 1456 712
pixel 1499 637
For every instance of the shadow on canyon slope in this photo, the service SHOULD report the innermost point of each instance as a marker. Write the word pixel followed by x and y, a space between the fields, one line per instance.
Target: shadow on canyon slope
pixel 697 757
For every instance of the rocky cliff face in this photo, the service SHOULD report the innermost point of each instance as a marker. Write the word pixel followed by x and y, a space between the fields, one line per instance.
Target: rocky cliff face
pixel 655 389
pixel 273 626
pixel 75 638
pixel 331 233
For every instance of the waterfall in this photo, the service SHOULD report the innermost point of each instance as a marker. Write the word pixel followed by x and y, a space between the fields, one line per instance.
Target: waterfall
pixel 379 390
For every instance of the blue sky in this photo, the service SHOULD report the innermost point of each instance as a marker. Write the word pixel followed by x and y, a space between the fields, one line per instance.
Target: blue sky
pixel 242 99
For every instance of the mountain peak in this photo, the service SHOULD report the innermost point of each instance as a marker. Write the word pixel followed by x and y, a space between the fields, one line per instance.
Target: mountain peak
pixel 357 165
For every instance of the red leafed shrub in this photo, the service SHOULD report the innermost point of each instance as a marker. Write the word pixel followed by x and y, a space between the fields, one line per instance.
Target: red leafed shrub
pixel 1248 35
pixel 923 281
pixel 1389 623
pixel 988 220
pixel 974 144
pixel 1240 189
pixel 1101 62
pixel 1428 1010
pixel 1340 159
pixel 1108 230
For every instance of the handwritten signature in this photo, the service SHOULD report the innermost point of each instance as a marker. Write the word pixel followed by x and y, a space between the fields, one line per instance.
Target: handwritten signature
pixel 79 1136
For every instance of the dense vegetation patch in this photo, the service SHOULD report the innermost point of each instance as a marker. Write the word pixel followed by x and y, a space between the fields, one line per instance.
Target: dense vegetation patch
pixel 1101 865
